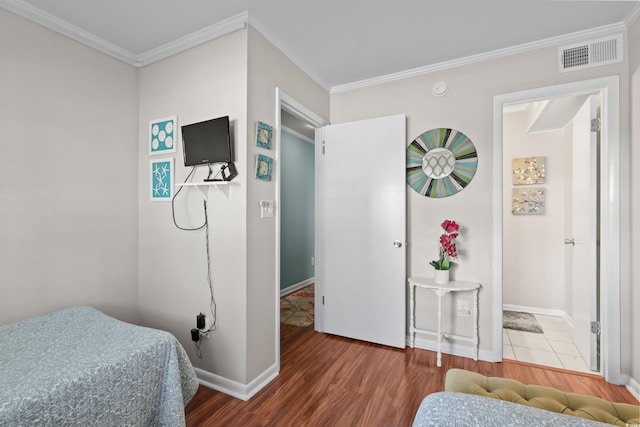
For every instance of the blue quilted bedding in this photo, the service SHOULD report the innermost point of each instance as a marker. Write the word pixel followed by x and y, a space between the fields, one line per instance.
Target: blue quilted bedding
pixel 453 409
pixel 80 367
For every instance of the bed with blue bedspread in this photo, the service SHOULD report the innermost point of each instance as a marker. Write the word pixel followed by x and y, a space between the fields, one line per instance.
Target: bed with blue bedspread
pixel 454 409
pixel 80 367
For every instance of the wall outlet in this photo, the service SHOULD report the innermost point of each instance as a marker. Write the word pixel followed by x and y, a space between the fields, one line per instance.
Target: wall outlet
pixel 463 308
pixel 313 260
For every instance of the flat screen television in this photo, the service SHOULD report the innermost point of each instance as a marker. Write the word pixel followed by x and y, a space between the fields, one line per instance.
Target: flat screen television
pixel 208 143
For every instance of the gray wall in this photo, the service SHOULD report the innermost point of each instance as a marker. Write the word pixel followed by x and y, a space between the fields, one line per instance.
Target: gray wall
pixel 468 108
pixel 68 173
pixel 69 234
pixel 268 69
pixel 296 210
pixel 226 76
pixel 202 83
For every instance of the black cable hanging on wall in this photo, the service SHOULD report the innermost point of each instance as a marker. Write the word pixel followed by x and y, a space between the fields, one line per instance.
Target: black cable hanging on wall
pixel 205 226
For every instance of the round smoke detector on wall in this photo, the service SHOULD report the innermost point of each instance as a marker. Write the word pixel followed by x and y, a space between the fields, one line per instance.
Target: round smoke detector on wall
pixel 439 88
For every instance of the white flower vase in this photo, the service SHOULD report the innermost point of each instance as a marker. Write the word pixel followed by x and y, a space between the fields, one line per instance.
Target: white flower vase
pixel 441 277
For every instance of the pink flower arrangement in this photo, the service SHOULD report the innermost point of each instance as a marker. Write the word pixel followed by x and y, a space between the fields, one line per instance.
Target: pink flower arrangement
pixel 448 251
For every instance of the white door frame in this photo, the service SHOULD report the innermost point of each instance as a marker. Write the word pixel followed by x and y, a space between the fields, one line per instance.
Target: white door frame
pixel 609 207
pixel 291 105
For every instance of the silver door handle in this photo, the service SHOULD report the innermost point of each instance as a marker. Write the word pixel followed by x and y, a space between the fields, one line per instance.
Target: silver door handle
pixel 570 242
pixel 397 244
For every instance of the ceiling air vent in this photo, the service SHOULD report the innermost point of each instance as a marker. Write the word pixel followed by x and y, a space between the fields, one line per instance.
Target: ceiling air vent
pixel 607 50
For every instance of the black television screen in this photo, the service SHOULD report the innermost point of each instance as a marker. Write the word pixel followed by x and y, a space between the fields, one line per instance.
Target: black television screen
pixel 207 142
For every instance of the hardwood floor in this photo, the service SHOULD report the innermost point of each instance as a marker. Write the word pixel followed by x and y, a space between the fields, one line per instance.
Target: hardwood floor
pixel 332 381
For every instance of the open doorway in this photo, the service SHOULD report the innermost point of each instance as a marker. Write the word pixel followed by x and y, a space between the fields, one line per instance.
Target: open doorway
pixel 297 220
pixel 608 207
pixel 300 121
pixel 551 231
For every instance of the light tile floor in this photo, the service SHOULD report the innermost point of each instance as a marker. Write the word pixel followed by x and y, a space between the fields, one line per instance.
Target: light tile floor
pixel 553 348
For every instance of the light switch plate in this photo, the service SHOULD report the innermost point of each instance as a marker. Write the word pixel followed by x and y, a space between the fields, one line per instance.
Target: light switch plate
pixel 266 208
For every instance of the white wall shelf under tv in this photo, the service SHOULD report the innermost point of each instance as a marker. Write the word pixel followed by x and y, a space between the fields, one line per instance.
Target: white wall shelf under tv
pixel 204 186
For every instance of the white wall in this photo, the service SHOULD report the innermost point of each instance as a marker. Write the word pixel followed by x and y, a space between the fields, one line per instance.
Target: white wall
pixel 68 163
pixel 468 107
pixel 268 69
pixel 533 258
pixel 203 83
pixel 633 295
pixel 235 75
pixel 569 284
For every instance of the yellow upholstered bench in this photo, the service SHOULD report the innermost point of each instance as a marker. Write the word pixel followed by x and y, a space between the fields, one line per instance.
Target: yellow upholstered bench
pixel 550 399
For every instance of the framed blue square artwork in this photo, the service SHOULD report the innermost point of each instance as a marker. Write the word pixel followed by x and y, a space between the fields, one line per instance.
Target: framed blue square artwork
pixel 162 135
pixel 264 133
pixel 264 166
pixel 162 179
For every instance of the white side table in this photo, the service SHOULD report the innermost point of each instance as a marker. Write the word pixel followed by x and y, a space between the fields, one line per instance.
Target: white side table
pixel 440 290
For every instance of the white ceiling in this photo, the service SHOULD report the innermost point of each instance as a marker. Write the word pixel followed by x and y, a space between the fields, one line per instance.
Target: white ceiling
pixel 337 42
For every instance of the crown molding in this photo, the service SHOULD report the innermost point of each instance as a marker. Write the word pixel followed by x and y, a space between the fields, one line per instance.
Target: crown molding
pixel 500 53
pixel 27 11
pixel 212 32
pixel 39 16
pixel 633 15
pixel 293 58
pixel 241 20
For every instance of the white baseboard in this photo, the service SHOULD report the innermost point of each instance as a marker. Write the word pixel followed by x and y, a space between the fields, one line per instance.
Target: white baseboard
pixel 234 388
pixel 295 287
pixel 542 311
pixel 634 388
pixel 455 349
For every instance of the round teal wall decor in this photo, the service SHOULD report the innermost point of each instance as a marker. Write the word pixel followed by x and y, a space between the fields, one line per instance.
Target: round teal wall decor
pixel 441 162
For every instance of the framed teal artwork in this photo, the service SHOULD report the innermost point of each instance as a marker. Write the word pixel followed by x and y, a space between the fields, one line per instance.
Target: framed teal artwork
pixel 264 134
pixel 161 179
pixel 162 135
pixel 264 167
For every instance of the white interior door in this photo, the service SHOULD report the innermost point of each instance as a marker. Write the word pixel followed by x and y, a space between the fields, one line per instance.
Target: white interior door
pixel 585 232
pixel 364 215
